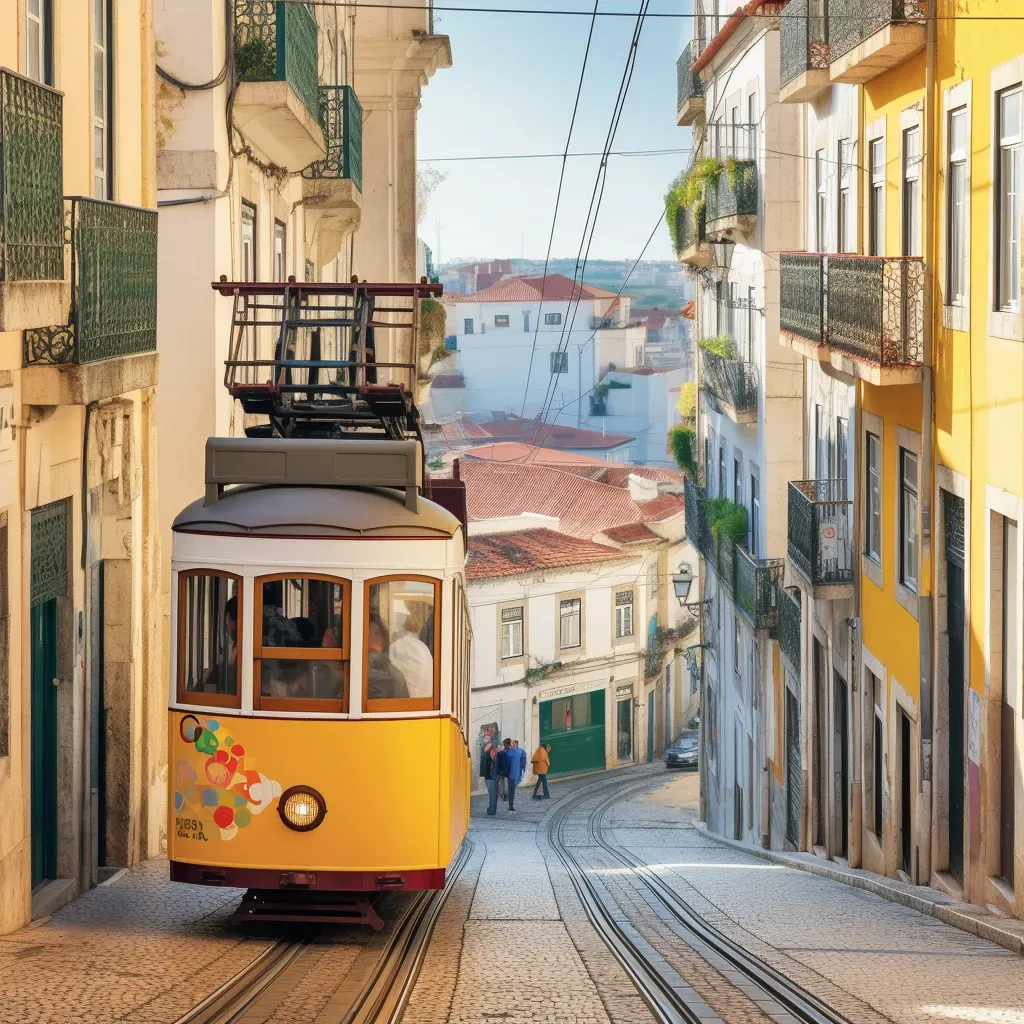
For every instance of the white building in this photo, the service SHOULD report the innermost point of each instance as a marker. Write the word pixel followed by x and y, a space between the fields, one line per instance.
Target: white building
pixel 750 400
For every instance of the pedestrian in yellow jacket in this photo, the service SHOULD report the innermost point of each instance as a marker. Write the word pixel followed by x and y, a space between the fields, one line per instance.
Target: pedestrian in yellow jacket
pixel 541 762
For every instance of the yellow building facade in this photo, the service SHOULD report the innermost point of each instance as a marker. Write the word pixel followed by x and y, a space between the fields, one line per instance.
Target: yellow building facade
pixel 81 708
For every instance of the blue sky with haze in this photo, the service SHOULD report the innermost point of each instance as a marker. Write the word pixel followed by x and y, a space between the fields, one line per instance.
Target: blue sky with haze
pixel 511 90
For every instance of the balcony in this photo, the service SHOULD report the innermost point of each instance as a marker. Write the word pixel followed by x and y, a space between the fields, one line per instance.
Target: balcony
pixel 866 312
pixel 803 45
pixel 732 384
pixel 789 630
pixel 731 208
pixel 689 90
pixel 757 588
pixel 332 188
pixel 820 524
pixel 277 102
pixel 108 345
pixel 692 246
pixel 33 281
pixel 869 37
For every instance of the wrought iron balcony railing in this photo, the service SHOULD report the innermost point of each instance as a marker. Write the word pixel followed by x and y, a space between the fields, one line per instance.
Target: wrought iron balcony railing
pixel 758 583
pixel 113 286
pixel 802 294
pixel 820 524
pixel 735 193
pixel 803 39
pixel 725 140
pixel 689 228
pixel 688 85
pixel 733 382
pixel 850 22
pixel 789 629
pixel 276 41
pixel 341 117
pixel 31 180
pixel 609 323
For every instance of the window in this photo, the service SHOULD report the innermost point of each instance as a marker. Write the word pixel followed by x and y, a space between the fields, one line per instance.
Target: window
pixel 310 270
pixel 570 623
pixel 248 242
pixel 722 479
pixel 755 515
pixel 737 646
pixel 209 610
pixel 652 581
pixel 908 519
pixel 751 355
pixel 511 633
pixel 526 321
pixel 737 482
pixel 912 192
pixel 846 228
pixel 279 251
pixel 708 464
pixel 752 126
pixel 638 355
pixel 878 750
pixel 719 302
pixel 300 643
pixel 842 446
pixel 956 212
pixel 552 319
pixel 820 205
pixel 730 311
pixel 462 655
pixel 820 445
pixel 559 362
pixel 38 45
pixel 467 326
pixel 570 713
pixel 1010 174
pixel 624 613
pixel 501 321
pixel 102 108
pixel 400 640
pixel 873 512
pixel 876 200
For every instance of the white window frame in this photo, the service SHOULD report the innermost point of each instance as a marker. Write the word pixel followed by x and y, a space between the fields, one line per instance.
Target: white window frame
pixel 102 177
pixel 876 197
pixel 906 587
pixel 566 614
pixel 36 57
pixel 249 249
pixel 552 319
pixel 872 561
pixel 846 229
pixel 1009 140
pixel 560 362
pixel 280 268
pixel 957 276
pixel 911 193
pixel 820 201
pixel 507 621
pixel 624 615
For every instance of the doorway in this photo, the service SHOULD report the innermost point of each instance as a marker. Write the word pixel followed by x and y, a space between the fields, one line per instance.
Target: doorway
pixel 793 780
pixel 1007 713
pixel 905 795
pixel 842 766
pixel 624 729
pixel 650 727
pixel 44 741
pixel 819 744
pixel 737 775
pixel 953 508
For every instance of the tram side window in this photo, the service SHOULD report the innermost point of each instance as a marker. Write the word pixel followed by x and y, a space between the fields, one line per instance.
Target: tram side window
pixel 401 644
pixel 301 645
pixel 208 615
pixel 461 657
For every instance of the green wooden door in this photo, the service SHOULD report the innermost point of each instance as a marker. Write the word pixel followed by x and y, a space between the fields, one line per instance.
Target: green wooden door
pixel 650 727
pixel 574 726
pixel 44 742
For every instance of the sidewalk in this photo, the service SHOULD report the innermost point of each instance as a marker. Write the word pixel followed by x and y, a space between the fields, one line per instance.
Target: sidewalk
pixel 1006 932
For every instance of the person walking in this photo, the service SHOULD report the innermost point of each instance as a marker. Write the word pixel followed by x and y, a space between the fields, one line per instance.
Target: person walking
pixel 505 768
pixel 541 761
pixel 489 773
pixel 518 770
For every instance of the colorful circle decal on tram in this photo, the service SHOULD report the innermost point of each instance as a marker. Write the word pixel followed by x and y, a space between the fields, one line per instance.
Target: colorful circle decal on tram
pixel 228 791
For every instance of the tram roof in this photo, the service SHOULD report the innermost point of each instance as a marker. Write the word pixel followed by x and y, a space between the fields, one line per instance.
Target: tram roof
pixel 341 512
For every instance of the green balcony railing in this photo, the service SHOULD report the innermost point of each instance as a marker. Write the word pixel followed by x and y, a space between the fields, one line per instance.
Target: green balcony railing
pixel 113 286
pixel 31 180
pixel 802 295
pixel 735 193
pixel 689 228
pixel 276 41
pixel 789 629
pixel 820 531
pixel 731 381
pixel 341 117
pixel 758 583
pixel 803 39
pixel 688 84
pixel 850 22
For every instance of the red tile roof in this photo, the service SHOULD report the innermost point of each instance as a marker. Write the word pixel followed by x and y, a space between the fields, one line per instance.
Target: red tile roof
pixel 690 310
pixel 494 555
pixel 584 507
pixel 631 533
pixel 532 288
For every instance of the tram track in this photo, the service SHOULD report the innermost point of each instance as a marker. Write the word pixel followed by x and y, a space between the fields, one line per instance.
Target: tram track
pixel 662 998
pixel 384 995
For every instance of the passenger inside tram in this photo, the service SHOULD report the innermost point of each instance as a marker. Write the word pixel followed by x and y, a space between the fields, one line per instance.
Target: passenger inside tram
pixel 410 655
pixel 384 681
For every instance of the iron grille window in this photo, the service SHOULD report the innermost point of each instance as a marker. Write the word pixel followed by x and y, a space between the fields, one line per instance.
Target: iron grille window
pixel 559 362
pixel 624 613
pixel 570 615
pixel 846 227
pixel 821 202
pixel 956 212
pixel 467 326
pixel 912 192
pixel 1010 173
pixel 908 519
pixel 876 200
pixel 873 532
pixel 552 319
pixel 501 320
pixel 512 632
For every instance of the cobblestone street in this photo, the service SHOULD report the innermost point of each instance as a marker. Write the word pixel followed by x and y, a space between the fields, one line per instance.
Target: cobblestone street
pixel 513 940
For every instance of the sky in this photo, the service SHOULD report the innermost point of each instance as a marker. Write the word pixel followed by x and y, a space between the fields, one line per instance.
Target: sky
pixel 510 90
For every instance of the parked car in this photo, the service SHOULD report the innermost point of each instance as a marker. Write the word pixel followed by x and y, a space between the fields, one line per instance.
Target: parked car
pixel 683 752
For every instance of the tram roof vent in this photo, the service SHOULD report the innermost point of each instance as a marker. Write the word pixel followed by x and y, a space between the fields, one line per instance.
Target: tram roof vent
pixel 310 462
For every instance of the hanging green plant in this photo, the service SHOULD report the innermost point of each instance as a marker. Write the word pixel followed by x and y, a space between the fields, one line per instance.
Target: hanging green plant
pixel 689 191
pixel 255 59
pixel 433 323
pixel 682 442
pixel 726 518
pixel 721 345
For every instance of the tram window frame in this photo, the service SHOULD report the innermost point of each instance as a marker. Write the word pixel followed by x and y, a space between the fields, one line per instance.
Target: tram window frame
pixel 201 698
pixel 343 654
pixel 462 632
pixel 390 704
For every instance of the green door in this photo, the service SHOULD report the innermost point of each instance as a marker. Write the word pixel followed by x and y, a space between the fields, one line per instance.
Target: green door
pixel 650 727
pixel 574 726
pixel 44 742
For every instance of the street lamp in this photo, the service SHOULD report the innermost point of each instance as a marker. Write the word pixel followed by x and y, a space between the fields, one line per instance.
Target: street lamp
pixel 682 580
pixel 722 251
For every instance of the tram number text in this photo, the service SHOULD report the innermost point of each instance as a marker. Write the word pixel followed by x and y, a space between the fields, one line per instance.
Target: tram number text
pixel 190 828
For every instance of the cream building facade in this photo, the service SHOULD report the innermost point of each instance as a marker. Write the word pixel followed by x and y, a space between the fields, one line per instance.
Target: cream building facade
pixel 81 707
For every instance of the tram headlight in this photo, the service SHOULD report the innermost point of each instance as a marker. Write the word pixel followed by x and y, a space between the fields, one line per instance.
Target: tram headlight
pixel 301 808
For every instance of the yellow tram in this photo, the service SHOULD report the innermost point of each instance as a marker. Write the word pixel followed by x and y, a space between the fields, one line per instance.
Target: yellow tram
pixel 320 669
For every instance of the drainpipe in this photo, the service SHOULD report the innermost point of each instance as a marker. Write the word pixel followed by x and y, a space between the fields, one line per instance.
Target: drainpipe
pixel 923 864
